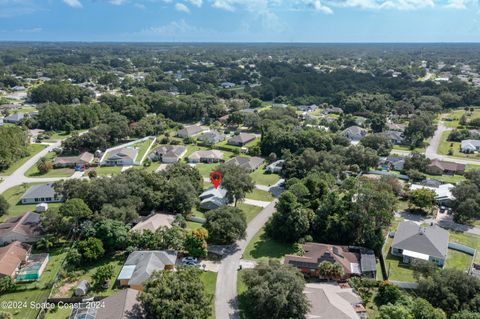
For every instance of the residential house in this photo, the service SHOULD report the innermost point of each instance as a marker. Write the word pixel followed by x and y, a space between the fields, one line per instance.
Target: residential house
pixel 355 261
pixel 354 133
pixel 474 134
pixel 396 127
pixel 332 301
pixel 392 162
pixel 190 131
pixel 307 108
pixel 211 137
pixel 140 265
pixel 14 118
pixel 213 198
pixel 25 228
pixel 248 163
pixel 241 139
pixel 470 146
pixel 154 222
pixel 439 167
pixel 394 136
pixel 227 85
pixel 121 157
pixel 443 193
pixel 275 167
pixel 41 193
pixel 121 305
pixel 168 153
pixel 84 159
pixel 414 242
pixel 206 156
pixel 332 110
pixel 11 257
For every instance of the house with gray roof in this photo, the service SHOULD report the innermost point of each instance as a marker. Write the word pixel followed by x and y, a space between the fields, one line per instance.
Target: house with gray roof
pixel 206 156
pixel 211 137
pixel 121 157
pixel 414 242
pixel 121 305
pixel 42 193
pixel 85 158
pixel 394 136
pixel 248 163
pixel 470 146
pixel 25 228
pixel 189 131
pixel 140 265
pixel 168 153
pixel 241 139
pixel 14 118
pixel 213 198
pixel 354 133
pixel 275 167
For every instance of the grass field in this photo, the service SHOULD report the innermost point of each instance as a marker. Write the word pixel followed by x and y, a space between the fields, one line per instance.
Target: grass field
pixel 396 270
pixel 142 148
pixel 32 150
pixel 469 240
pixel 59 172
pixel 407 148
pixel 108 170
pixel 445 146
pixel 35 291
pixel 458 260
pixel 249 210
pixel 13 195
pixel 206 169
pixel 209 280
pixel 262 247
pixel 259 194
pixel 259 177
pixel 456 115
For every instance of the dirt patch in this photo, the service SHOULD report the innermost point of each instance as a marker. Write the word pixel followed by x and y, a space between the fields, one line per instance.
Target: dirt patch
pixel 64 291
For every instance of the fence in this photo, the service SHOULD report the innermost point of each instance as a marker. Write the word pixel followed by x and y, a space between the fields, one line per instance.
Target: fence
pixel 464 249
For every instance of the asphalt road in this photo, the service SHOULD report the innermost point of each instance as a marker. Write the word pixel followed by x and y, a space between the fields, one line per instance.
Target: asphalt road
pixel 431 151
pixel 18 177
pixel 226 305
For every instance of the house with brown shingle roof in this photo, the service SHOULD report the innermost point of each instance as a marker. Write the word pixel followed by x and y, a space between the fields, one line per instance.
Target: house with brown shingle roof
pixel 85 158
pixel 437 166
pixel 355 261
pixel 25 228
pixel 248 163
pixel 154 222
pixel 206 156
pixel 11 257
pixel 241 139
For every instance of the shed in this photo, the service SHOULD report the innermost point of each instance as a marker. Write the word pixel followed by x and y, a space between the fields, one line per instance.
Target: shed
pixel 82 288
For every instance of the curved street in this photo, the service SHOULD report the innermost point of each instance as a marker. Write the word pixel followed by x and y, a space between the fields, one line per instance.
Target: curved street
pixel 226 305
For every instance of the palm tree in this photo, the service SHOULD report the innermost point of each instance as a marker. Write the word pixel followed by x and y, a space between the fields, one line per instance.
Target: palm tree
pixel 337 271
pixel 325 269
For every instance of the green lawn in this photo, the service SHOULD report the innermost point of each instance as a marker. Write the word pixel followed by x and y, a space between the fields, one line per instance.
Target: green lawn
pixel 259 177
pixel 193 225
pixel 396 270
pixel 262 247
pixel 458 260
pixel 469 240
pixel 108 170
pixel 61 135
pixel 209 280
pixel 249 210
pixel 35 291
pixel 445 146
pixel 456 115
pixel 206 169
pixel 59 172
pixel 407 148
pixel 32 150
pixel 13 195
pixel 471 167
pixel 142 148
pixel 259 194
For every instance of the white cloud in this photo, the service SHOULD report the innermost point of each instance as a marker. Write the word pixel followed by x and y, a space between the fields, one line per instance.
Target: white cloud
pixel 317 5
pixel 456 4
pixel 181 7
pixel 117 2
pixel 73 3
pixel 197 3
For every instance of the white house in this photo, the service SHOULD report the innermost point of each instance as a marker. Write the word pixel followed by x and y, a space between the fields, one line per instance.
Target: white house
pixel 470 146
pixel 121 157
pixel 42 193
pixel 213 198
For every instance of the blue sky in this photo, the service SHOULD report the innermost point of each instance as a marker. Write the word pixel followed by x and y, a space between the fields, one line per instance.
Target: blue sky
pixel 241 20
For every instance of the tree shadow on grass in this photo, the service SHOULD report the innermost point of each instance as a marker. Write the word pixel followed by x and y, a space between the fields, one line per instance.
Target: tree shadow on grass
pixel 269 248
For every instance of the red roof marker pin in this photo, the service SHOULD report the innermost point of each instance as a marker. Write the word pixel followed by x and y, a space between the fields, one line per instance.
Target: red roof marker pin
pixel 216 178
